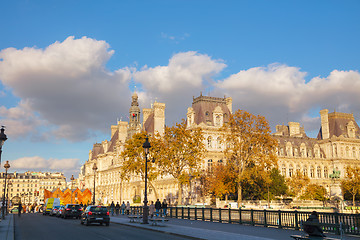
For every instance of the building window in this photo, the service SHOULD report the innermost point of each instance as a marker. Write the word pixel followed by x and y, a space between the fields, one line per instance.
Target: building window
pixel 210 165
pixel 318 172
pixel 305 171
pixel 209 142
pixel 326 172
pixel 312 172
pixel 291 170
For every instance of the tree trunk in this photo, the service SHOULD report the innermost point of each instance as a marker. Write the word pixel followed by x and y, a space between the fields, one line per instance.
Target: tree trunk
pixel 180 200
pixel 239 194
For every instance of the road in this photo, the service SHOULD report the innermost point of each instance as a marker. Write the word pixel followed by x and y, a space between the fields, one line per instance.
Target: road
pixel 35 226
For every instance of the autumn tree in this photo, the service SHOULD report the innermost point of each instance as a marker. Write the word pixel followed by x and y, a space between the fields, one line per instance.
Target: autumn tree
pixel 351 184
pixel 248 143
pixel 221 181
pixel 314 192
pixel 180 153
pixel 134 160
pixel 297 183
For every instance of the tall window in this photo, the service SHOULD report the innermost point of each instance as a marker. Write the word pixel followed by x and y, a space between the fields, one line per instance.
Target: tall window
pixel 318 171
pixel 312 172
pixel 326 172
pixel 210 165
pixel 305 171
pixel 209 142
pixel 283 170
pixel 291 170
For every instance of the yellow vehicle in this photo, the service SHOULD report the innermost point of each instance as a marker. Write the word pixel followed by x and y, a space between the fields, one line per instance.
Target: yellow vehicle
pixel 49 204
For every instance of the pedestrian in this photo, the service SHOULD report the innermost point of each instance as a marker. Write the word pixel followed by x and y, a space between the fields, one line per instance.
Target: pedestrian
pixel 123 207
pixel 112 208
pixel 151 209
pixel 19 209
pixel 157 207
pixel 117 208
pixel 164 207
pixel 127 208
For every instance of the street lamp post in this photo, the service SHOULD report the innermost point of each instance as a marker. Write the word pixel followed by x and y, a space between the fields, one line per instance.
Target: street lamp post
pixel 94 168
pixel 3 138
pixel 72 182
pixel 7 194
pixel 6 166
pixel 146 147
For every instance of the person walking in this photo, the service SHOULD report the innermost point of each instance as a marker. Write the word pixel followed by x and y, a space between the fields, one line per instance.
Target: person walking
pixel 151 209
pixel 157 207
pixel 117 208
pixel 127 208
pixel 112 208
pixel 164 207
pixel 123 207
pixel 19 209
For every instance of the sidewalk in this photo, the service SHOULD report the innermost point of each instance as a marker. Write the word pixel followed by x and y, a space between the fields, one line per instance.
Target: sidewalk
pixel 7 228
pixel 214 230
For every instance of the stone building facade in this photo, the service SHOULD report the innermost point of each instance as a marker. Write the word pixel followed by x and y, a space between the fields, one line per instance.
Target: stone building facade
pixel 323 159
pixel 30 186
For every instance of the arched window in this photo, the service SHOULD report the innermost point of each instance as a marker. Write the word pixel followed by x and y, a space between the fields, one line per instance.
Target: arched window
pixel 326 172
pixel 209 142
pixel 305 172
pixel 347 152
pixel 353 152
pixel 312 172
pixel 318 172
pixel 298 169
pixel 291 170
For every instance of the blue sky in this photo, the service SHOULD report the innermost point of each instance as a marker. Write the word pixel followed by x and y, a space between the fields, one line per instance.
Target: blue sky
pixel 68 68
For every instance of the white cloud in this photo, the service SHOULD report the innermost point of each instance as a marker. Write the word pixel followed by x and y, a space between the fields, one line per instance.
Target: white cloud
pixel 281 93
pixel 67 84
pixel 37 163
pixel 20 120
pixel 186 75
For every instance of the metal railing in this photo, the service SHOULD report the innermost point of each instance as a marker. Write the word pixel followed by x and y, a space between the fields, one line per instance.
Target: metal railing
pixel 267 218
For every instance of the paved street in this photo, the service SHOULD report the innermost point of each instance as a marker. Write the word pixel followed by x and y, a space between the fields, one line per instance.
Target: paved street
pixel 35 226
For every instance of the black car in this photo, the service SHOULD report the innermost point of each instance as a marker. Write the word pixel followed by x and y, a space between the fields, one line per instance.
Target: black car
pixel 71 211
pixel 95 214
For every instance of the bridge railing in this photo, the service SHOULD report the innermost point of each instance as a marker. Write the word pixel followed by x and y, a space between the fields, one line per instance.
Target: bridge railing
pixel 350 223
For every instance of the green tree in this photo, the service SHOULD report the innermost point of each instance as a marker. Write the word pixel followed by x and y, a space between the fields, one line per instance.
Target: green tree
pixel 134 160
pixel 351 184
pixel 248 143
pixel 179 154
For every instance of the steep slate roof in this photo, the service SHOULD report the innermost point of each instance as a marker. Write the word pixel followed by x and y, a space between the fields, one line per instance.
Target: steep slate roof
pixel 112 142
pixel 149 124
pixel 338 123
pixel 203 104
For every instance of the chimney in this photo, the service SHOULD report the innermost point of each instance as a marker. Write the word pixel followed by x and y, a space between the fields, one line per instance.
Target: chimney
pixel 325 123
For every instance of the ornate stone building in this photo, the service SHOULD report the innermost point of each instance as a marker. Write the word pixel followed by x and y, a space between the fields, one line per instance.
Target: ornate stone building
pixel 323 159
pixel 106 155
pixel 337 145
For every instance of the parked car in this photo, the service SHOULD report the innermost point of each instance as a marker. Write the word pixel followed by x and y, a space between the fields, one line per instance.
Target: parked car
pixel 72 211
pixel 59 212
pixel 95 214
pixel 54 210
